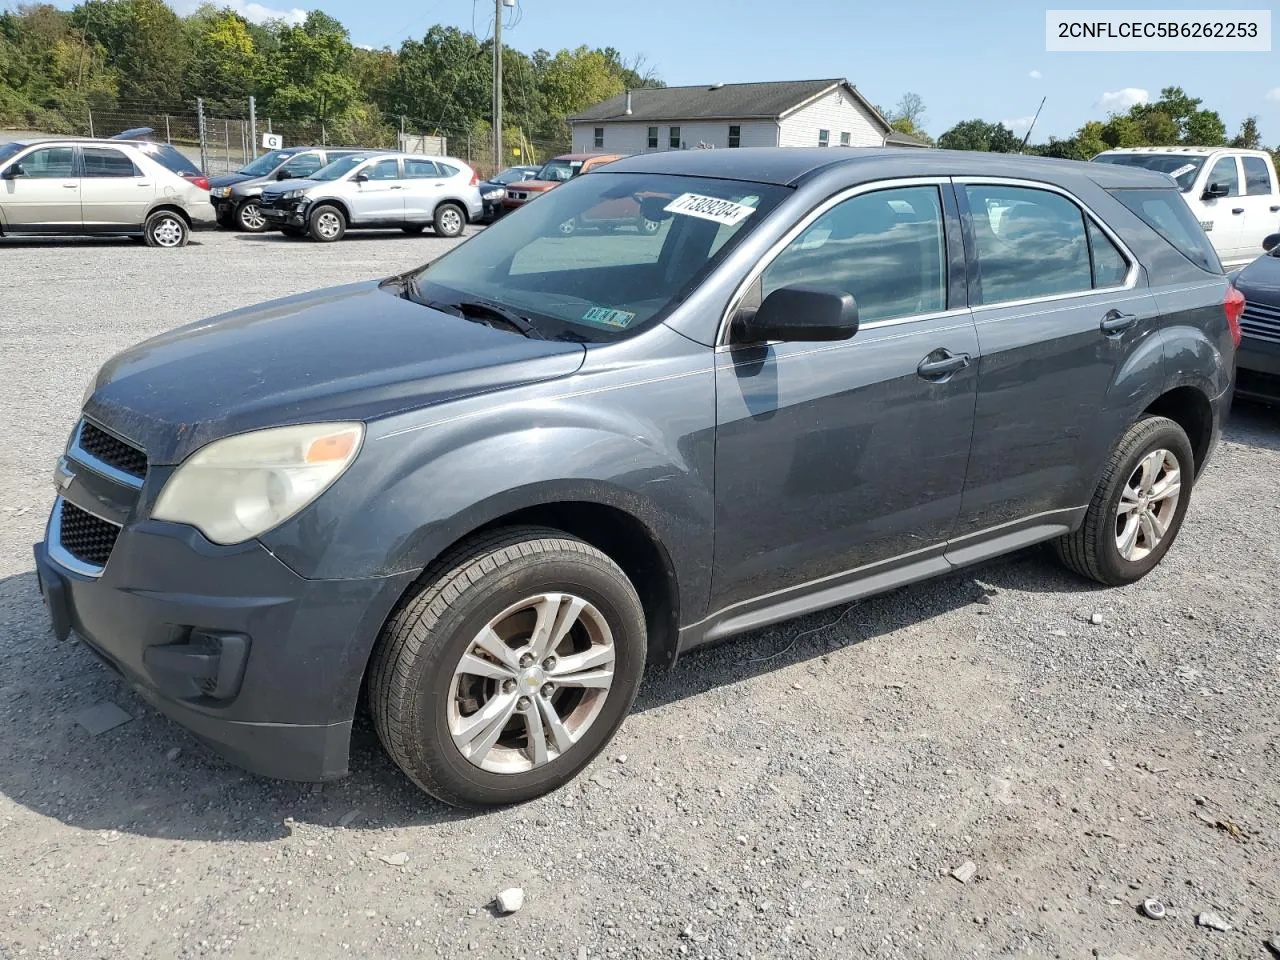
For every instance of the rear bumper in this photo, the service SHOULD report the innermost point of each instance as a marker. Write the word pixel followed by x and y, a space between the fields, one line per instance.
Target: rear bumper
pixel 260 664
pixel 203 215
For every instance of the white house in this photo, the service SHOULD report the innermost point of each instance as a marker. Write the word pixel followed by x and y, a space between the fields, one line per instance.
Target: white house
pixel 791 113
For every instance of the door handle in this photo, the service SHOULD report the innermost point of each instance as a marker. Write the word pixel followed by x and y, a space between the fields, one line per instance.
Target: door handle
pixel 144 183
pixel 942 366
pixel 1276 208
pixel 394 187
pixel 1237 209
pixel 71 186
pixel 1116 322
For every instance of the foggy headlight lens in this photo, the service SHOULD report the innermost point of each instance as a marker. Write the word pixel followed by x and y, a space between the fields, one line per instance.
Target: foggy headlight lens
pixel 239 487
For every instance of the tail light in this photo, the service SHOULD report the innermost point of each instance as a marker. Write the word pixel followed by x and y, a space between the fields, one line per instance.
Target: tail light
pixel 475 179
pixel 196 180
pixel 1233 304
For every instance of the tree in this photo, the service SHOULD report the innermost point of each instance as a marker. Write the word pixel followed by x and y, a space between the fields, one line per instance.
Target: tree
pixel 1248 137
pixel 143 42
pixel 980 135
pixel 224 67
pixel 308 75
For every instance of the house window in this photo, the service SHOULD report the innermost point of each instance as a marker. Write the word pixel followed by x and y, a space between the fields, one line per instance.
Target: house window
pixel 673 138
pixel 598 140
pixel 653 138
pixel 735 136
pixel 845 138
pixel 824 138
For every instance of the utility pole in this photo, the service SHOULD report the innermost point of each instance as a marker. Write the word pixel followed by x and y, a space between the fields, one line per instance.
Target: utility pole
pixel 497 85
pixel 204 143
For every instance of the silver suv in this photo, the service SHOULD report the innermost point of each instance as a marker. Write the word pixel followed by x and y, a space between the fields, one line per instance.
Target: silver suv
pixel 90 187
pixel 376 189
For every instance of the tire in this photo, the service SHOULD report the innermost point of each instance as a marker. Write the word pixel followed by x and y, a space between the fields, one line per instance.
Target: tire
pixel 449 220
pixel 326 224
pixel 295 232
pixel 227 222
pixel 1097 550
pixel 413 228
pixel 164 228
pixel 418 689
pixel 249 218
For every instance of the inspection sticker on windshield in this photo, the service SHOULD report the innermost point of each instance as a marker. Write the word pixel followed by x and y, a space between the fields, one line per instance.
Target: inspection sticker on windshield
pixel 609 318
pixel 709 208
pixel 1187 168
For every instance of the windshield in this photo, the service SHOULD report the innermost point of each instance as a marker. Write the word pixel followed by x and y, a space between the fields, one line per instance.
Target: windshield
pixel 559 170
pixel 7 150
pixel 266 163
pixel 1182 167
pixel 511 175
pixel 339 168
pixel 603 256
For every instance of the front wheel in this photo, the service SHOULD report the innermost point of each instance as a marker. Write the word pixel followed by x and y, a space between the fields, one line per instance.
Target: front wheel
pixel 249 217
pixel 165 229
pixel 510 669
pixel 327 223
pixel 1137 508
pixel 449 220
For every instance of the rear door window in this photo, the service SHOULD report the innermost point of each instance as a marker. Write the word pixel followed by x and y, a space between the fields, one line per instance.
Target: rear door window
pixel 1110 268
pixel 105 162
pixel 1031 243
pixel 1165 212
pixel 1257 176
pixel 420 170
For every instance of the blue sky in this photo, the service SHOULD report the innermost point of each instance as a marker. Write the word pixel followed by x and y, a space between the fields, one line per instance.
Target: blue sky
pixel 975 60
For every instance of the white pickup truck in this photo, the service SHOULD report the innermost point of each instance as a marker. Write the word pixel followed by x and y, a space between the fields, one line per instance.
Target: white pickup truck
pixel 1233 193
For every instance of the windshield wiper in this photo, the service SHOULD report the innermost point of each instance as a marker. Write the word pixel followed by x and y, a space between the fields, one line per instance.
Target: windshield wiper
pixel 523 324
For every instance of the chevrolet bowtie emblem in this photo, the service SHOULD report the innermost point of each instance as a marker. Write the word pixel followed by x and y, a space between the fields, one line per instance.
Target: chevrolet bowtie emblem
pixel 62 475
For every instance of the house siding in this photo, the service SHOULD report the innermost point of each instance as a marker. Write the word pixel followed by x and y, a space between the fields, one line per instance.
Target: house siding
pixel 836 111
pixel 629 137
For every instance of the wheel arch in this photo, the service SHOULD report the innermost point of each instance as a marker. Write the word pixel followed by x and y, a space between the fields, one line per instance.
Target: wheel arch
pixel 457 202
pixel 164 206
pixel 1189 407
pixel 341 207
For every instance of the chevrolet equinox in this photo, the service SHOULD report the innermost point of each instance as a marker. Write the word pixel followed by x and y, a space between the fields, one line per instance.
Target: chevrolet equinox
pixel 488 491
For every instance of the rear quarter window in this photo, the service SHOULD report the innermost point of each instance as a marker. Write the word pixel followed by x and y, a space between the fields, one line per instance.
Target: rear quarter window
pixel 172 159
pixel 1165 212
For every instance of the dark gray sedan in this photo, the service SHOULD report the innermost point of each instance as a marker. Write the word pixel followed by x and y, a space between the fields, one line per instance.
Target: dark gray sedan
pixel 1258 362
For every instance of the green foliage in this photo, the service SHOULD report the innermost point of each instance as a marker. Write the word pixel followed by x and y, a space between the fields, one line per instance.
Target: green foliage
pixel 980 135
pixel 1248 137
pixel 138 58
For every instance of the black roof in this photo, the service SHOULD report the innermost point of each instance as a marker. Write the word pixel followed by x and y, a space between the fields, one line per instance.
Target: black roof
pixel 727 101
pixel 790 165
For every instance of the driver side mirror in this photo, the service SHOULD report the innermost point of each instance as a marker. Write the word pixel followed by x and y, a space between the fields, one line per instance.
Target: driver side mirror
pixel 361 178
pixel 799 314
pixel 283 175
pixel 1216 190
pixel 1270 243
pixel 14 172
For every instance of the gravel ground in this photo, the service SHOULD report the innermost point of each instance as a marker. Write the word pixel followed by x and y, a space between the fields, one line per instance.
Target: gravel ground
pixel 805 791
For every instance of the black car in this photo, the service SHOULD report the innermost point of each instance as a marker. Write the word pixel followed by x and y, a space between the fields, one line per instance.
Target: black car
pixel 494 189
pixel 488 491
pixel 1258 361
pixel 235 195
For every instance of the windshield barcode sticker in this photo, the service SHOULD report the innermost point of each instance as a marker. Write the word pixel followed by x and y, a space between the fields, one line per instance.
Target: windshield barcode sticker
pixel 709 208
pixel 609 318
pixel 1186 168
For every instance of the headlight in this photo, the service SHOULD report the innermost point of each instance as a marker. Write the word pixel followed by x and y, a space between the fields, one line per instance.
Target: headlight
pixel 239 487
pixel 293 194
pixel 221 191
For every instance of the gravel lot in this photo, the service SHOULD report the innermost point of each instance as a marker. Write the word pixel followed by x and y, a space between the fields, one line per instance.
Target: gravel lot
pixel 802 792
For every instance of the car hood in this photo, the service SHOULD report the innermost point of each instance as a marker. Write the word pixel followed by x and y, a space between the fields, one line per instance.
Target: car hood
pixel 280 186
pixel 1260 281
pixel 228 179
pixel 355 352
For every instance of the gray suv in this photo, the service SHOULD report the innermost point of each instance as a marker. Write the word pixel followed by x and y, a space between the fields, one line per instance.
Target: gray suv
pixel 235 195
pixel 486 493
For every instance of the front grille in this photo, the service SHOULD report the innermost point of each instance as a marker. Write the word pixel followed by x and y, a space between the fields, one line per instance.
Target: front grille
pixel 112 451
pixel 87 538
pixel 1261 321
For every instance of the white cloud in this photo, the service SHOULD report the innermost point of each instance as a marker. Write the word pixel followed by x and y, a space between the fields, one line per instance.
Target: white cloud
pixel 251 11
pixel 1273 93
pixel 1123 99
pixel 1019 124
pixel 1035 74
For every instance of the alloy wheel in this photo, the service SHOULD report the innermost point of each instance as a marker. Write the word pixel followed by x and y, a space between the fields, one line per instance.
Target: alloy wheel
pixel 1148 504
pixel 251 217
pixel 450 222
pixel 531 683
pixel 328 225
pixel 167 232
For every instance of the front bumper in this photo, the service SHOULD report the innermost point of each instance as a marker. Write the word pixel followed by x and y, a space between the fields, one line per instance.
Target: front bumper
pixel 292 214
pixel 259 663
pixel 1258 369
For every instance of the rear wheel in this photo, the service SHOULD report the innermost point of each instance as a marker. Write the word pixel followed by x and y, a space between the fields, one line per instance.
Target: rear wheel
pixel 1137 508
pixel 164 228
pixel 249 217
pixel 510 669
pixel 449 220
pixel 327 223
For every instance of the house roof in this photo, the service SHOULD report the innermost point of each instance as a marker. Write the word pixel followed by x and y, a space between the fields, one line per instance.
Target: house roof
pixel 896 139
pixel 727 101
